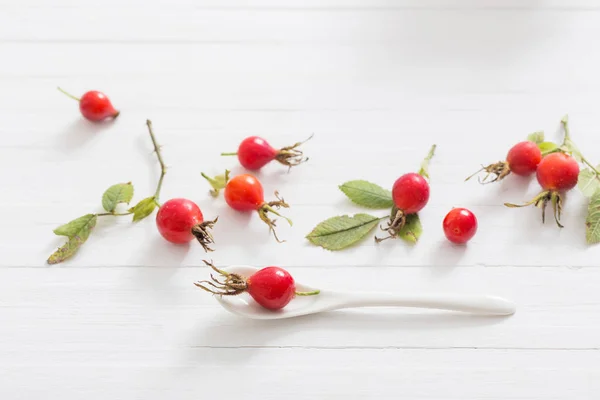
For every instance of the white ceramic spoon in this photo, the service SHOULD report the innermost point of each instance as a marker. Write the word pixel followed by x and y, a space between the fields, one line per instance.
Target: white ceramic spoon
pixel 328 300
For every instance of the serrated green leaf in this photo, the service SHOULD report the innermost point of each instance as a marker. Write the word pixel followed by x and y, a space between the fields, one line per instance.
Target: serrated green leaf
pixel 412 229
pixel 78 232
pixel 424 171
pixel 143 208
pixel 547 147
pixel 218 182
pixel 78 227
pixel 340 232
pixel 592 221
pixel 536 137
pixel 588 182
pixel 119 193
pixel 367 194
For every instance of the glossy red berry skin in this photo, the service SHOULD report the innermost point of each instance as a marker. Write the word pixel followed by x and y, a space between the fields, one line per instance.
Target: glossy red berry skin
pixel 244 193
pixel 95 106
pixel 523 158
pixel 558 171
pixel 271 287
pixel 410 193
pixel 255 152
pixel 176 218
pixel 460 225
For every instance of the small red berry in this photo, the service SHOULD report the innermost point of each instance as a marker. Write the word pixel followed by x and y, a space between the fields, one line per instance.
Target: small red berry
pixel 271 287
pixel 245 193
pixel 255 152
pixel 94 106
pixel 460 225
pixel 523 158
pixel 558 171
pixel 410 193
pixel 180 220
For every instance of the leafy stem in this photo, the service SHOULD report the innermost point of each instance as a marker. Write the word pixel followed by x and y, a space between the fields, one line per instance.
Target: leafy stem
pixel 565 123
pixel 114 214
pixel 568 144
pixel 163 168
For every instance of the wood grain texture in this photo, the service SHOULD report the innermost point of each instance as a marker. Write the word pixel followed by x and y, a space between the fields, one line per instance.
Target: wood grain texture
pixel 377 82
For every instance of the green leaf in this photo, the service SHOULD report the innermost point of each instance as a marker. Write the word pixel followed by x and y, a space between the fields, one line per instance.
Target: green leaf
pixel 144 208
pixel 547 147
pixel 218 182
pixel 367 194
pixel 588 182
pixel 592 221
pixel 424 171
pixel 340 232
pixel 66 251
pixel 78 227
pixel 119 193
pixel 78 232
pixel 412 229
pixel 536 137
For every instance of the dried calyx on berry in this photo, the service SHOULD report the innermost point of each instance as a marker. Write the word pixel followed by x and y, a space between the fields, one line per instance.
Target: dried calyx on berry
pixel 271 287
pixel 522 159
pixel 557 173
pixel 255 152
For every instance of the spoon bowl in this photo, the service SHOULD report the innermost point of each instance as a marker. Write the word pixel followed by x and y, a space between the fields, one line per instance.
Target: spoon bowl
pixel 328 300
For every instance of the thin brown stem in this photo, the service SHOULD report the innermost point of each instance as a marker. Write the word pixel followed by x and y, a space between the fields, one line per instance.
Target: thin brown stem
pixel 163 168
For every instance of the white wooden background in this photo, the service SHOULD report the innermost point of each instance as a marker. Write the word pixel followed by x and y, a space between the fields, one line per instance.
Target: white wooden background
pixel 377 82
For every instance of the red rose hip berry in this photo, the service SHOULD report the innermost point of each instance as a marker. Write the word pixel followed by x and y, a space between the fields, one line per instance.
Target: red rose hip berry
pixel 460 225
pixel 522 159
pixel 180 221
pixel 410 193
pixel 94 105
pixel 245 193
pixel 271 287
pixel 558 171
pixel 255 152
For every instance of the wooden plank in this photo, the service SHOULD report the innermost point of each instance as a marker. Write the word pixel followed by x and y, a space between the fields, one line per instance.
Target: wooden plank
pixel 135 309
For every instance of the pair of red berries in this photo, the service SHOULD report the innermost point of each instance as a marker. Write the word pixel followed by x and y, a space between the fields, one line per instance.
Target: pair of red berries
pixel 556 171
pixel 410 194
pixel 180 220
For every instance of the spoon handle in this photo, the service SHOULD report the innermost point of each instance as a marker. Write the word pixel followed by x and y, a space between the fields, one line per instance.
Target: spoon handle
pixel 476 304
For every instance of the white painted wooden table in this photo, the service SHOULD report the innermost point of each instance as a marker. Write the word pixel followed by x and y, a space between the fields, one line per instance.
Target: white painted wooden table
pixel 377 82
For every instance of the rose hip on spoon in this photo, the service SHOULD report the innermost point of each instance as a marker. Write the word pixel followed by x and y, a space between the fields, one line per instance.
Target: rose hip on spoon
pixel 329 300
